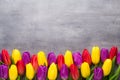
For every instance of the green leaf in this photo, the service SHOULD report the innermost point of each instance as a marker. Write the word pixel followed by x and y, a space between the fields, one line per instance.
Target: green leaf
pixel 12 60
pixel 90 77
pixel 113 68
pixel 69 78
pixel 26 78
pixel 1 63
pixel 18 78
pixel 116 73
pixel 106 78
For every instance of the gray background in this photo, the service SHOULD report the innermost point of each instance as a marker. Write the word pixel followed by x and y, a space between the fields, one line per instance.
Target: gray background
pixel 57 25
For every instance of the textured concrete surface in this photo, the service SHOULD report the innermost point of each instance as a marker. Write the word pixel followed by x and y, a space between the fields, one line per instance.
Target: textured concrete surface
pixel 57 25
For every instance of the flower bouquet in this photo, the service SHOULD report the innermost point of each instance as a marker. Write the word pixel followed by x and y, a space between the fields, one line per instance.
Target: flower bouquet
pixel 100 64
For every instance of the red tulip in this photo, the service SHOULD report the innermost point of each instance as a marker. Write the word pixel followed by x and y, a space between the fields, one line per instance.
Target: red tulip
pixel 6 57
pixel 34 62
pixel 113 52
pixel 86 56
pixel 20 67
pixel 60 61
pixel 74 72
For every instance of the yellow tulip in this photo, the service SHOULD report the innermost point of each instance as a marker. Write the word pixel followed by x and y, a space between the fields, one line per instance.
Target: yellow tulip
pixel 68 58
pixel 107 66
pixel 29 71
pixel 13 73
pixel 16 56
pixel 42 58
pixel 95 55
pixel 85 69
pixel 52 72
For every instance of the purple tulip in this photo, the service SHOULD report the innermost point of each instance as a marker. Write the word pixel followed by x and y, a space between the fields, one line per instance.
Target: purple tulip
pixel 104 54
pixel 26 57
pixel 118 58
pixel 64 72
pixel 77 59
pixel 42 73
pixel 51 58
pixel 98 73
pixel 3 71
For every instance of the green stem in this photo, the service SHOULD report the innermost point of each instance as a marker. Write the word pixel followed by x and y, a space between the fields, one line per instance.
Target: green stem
pixel 91 77
pixel 116 73
pixel 93 68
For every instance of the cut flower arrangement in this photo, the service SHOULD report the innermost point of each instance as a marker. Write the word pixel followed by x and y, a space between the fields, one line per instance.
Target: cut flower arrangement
pixel 100 64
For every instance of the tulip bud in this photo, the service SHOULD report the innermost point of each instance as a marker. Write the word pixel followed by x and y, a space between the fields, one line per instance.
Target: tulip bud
pixel 52 72
pixel 13 73
pixel 86 56
pixel 16 55
pixel 95 55
pixel 85 69
pixel 98 73
pixel 68 58
pixel 104 54
pixel 60 61
pixel 74 72
pixel 29 71
pixel 64 72
pixel 107 66
pixel 51 58
pixel 77 58
pixel 34 62
pixel 113 52
pixel 42 73
pixel 3 72
pixel 20 67
pixel 42 58
pixel 6 57
pixel 26 57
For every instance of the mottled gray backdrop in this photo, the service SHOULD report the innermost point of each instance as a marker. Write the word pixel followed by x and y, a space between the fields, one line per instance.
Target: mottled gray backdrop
pixel 57 25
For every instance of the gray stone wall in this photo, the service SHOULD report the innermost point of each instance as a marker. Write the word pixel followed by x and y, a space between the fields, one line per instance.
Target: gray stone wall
pixel 57 25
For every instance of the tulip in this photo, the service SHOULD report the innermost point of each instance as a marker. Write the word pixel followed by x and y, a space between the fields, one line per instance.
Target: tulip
pixel 107 66
pixel 98 73
pixel 34 62
pixel 86 56
pixel 29 71
pixel 64 72
pixel 85 69
pixel 42 73
pixel 16 55
pixel 13 73
pixel 74 72
pixel 68 58
pixel 6 57
pixel 118 58
pixel 77 58
pixel 42 58
pixel 51 58
pixel 20 67
pixel 60 61
pixel 3 72
pixel 104 54
pixel 95 55
pixel 117 72
pixel 52 72
pixel 113 52
pixel 26 57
